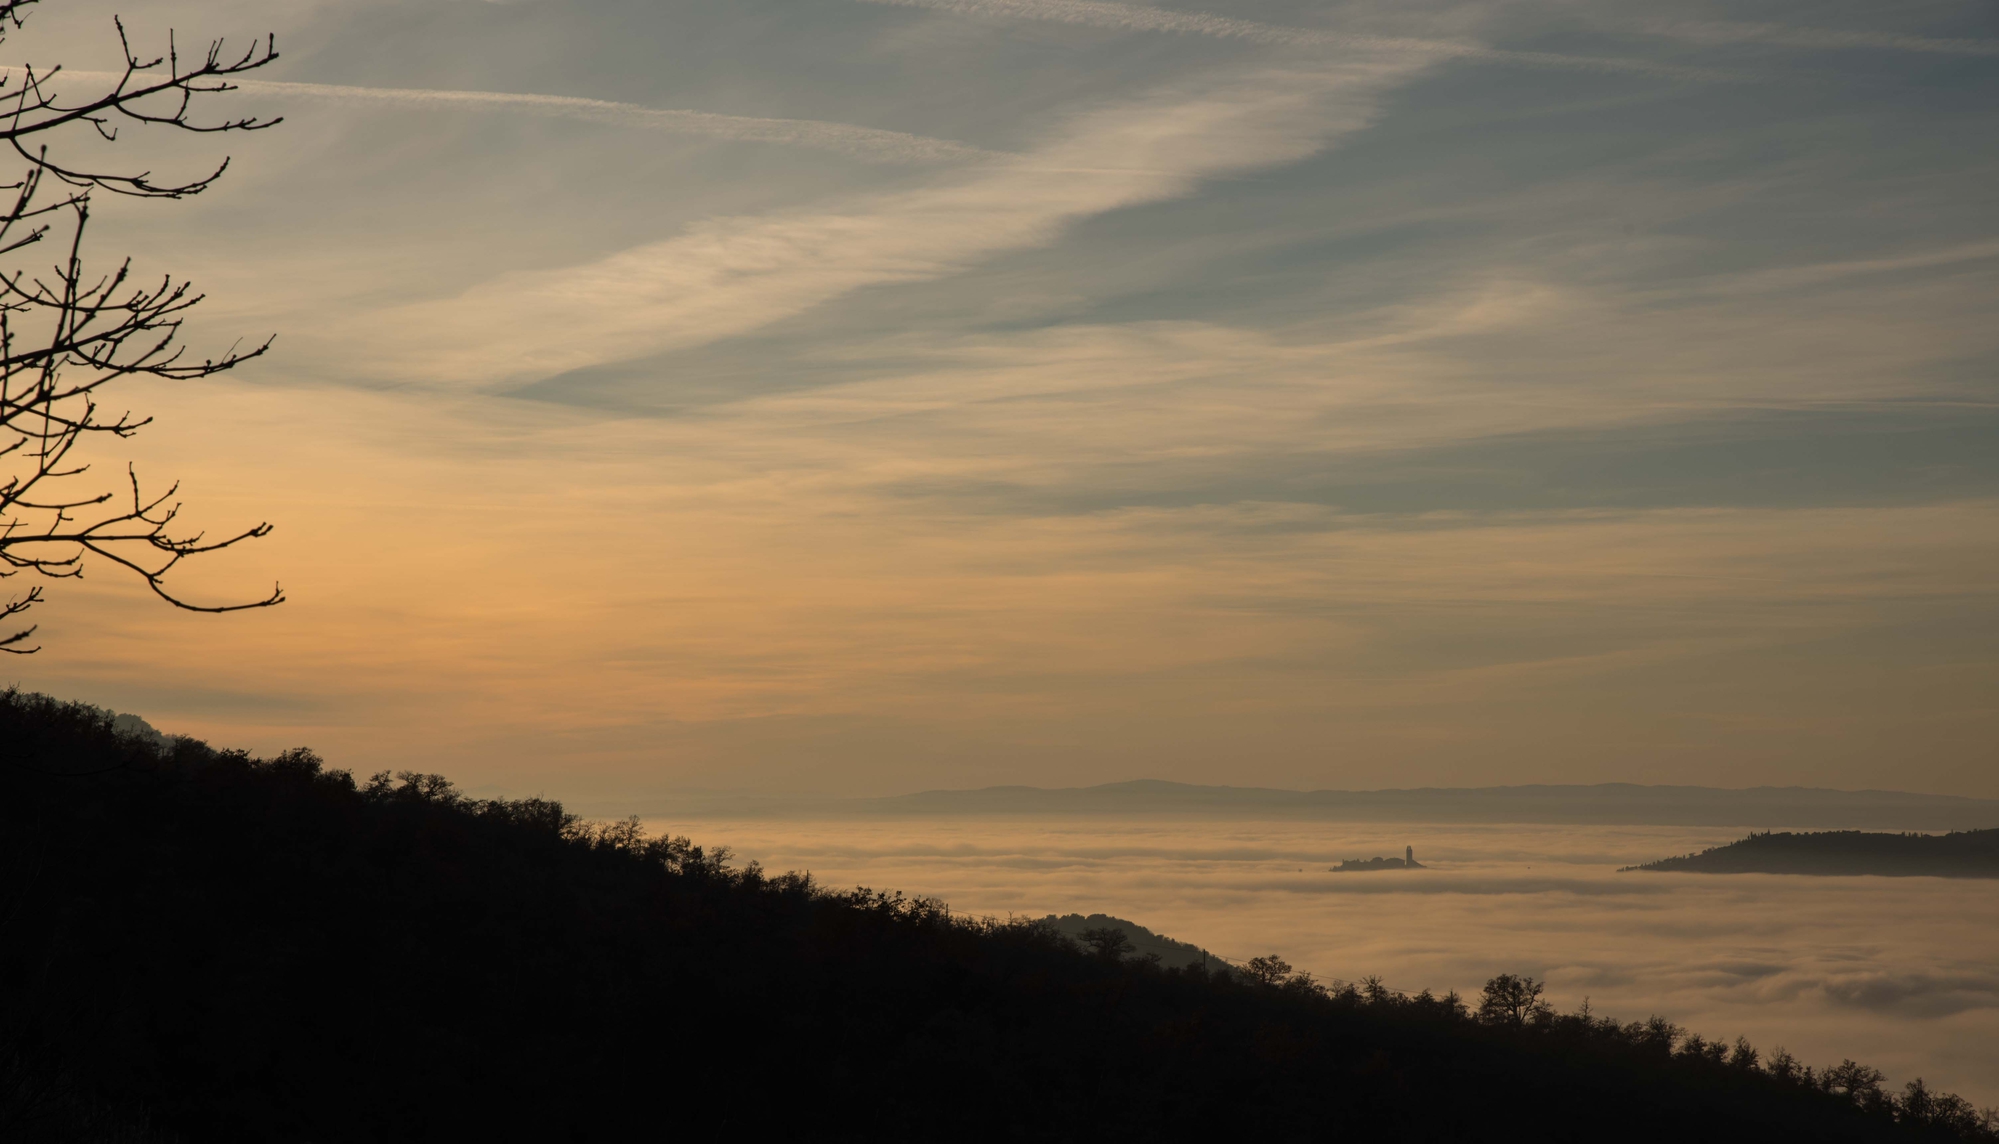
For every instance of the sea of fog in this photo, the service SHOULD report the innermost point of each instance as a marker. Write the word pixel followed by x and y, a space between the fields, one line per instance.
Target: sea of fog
pixel 1898 973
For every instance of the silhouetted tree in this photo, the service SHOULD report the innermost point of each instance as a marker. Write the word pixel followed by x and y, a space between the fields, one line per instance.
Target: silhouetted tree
pixel 1108 942
pixel 1272 970
pixel 1943 1110
pixel 1856 1082
pixel 1510 1000
pixel 67 332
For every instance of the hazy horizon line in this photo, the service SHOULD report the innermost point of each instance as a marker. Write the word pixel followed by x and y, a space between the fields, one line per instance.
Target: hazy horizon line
pixel 751 795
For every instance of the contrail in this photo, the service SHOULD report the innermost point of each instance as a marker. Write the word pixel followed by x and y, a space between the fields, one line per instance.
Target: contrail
pixel 1718 32
pixel 865 142
pixel 870 142
pixel 1132 17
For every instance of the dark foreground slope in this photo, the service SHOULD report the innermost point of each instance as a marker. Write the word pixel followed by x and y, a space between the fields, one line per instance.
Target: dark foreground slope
pixel 197 945
pixel 1959 854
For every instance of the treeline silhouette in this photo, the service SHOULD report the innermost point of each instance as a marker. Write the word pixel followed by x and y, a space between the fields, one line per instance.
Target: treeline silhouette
pixel 1959 854
pixel 199 945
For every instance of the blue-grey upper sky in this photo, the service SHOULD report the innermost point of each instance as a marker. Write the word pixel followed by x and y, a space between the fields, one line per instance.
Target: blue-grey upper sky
pixel 864 395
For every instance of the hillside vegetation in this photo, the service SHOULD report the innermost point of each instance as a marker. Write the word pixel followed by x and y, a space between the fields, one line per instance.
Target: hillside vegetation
pixel 198 945
pixel 1959 854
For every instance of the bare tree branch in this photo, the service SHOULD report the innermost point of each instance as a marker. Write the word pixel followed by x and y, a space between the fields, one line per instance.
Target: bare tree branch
pixel 67 332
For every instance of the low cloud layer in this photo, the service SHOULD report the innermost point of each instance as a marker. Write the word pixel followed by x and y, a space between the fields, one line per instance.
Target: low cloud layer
pixel 1887 971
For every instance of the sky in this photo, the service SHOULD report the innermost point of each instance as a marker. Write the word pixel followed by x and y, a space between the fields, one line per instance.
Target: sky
pixel 853 397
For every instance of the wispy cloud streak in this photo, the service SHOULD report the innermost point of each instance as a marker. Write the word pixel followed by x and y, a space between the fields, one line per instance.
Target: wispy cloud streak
pixel 1818 274
pixel 1726 32
pixel 868 142
pixel 865 142
pixel 1132 17
pixel 728 276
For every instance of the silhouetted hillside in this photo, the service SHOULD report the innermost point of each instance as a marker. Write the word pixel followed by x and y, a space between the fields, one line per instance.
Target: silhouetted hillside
pixel 1960 854
pixel 198 945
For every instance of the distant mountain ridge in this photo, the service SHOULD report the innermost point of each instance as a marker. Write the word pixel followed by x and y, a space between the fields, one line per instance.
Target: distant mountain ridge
pixel 1606 804
pixel 1602 803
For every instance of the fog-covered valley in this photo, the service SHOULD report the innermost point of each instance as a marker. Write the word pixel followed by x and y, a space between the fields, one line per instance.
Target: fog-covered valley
pixel 1893 972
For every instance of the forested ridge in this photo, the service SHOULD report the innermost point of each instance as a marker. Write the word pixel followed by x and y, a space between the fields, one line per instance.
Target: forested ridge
pixel 199 945
pixel 1959 854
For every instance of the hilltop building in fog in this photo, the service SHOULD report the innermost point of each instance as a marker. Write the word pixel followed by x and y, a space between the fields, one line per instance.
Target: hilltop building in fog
pixel 1406 862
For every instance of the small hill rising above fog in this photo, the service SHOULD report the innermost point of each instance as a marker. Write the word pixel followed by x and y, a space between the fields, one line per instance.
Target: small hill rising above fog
pixel 1144 943
pixel 1960 854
